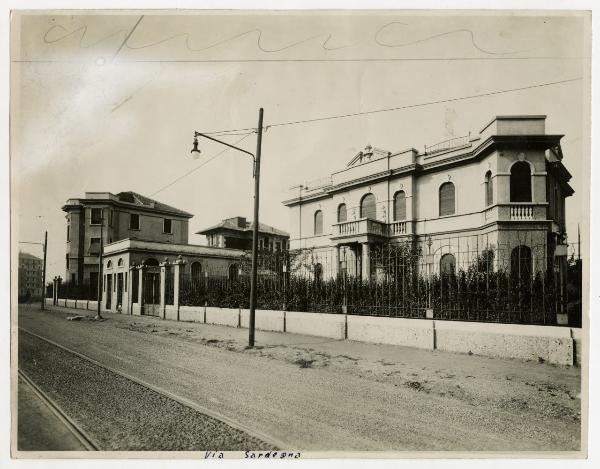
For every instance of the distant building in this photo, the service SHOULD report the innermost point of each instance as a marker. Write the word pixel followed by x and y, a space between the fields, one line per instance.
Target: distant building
pixel 236 233
pixel 30 276
pixel 126 215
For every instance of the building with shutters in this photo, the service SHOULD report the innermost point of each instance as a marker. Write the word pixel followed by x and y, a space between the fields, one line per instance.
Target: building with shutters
pixel 126 215
pixel 30 276
pixel 498 194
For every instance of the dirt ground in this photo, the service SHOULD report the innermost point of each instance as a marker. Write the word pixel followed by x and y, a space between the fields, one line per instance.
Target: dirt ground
pixel 497 392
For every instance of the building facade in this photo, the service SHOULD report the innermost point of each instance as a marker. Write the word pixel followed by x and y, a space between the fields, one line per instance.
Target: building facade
pixel 498 195
pixel 30 276
pixel 132 271
pixel 236 233
pixel 114 217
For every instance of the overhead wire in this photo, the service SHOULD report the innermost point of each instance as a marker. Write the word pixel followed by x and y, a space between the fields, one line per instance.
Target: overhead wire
pixel 408 106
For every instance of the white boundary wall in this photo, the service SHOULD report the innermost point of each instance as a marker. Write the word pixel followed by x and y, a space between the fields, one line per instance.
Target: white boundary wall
pixel 552 344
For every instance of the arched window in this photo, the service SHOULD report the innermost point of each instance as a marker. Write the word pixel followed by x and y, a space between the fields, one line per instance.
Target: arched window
pixel 233 272
pixel 318 272
pixel 520 182
pixel 368 207
pixel 109 265
pixel 399 206
pixel 521 263
pixel 341 213
pixel 447 265
pixel 318 222
pixel 485 263
pixel 489 189
pixel 120 263
pixel 447 205
pixel 196 271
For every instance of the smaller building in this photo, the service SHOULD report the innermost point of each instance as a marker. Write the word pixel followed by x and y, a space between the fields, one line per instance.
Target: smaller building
pixel 132 272
pixel 31 270
pixel 236 233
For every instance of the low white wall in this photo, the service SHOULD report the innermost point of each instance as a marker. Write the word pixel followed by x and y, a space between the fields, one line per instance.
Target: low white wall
pixel 171 312
pixel 416 333
pixel 265 320
pixel 92 305
pixel 135 309
pixel 191 313
pixel 222 316
pixel 548 343
pixel 317 324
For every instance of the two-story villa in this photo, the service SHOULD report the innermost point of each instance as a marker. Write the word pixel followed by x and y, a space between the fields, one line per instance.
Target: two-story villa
pixel 498 195
pixel 126 215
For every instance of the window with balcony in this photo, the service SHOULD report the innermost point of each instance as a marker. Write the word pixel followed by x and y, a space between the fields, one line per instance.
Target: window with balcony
pixel 368 207
pixel 318 222
pixel 447 202
pixel 96 217
pixel 399 206
pixel 134 221
pixel 342 214
pixel 489 189
pixel 447 265
pixel 520 182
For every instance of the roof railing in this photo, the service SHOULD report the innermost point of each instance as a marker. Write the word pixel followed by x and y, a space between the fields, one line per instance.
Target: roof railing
pixel 454 142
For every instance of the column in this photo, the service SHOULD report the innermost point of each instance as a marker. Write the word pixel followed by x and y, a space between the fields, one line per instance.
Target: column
pixel 130 298
pixel 366 262
pixel 177 266
pixel 163 285
pixel 141 288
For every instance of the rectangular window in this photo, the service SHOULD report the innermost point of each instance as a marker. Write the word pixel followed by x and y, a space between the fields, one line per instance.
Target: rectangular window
pixel 167 226
pixel 277 246
pixel 67 257
pixel 134 221
pixel 110 218
pixel 96 216
pixel 94 246
pixel 68 233
pixel 125 286
pixel 104 283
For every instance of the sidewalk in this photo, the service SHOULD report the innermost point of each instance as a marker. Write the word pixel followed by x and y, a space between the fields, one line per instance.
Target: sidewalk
pixel 548 389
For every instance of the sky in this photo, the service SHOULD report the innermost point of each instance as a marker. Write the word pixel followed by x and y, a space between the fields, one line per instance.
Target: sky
pixel 110 102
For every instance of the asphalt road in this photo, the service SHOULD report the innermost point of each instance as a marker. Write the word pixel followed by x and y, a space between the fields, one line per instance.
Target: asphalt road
pixel 316 409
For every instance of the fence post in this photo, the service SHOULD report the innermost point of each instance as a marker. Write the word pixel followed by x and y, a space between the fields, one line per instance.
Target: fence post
pixel 177 265
pixel 163 286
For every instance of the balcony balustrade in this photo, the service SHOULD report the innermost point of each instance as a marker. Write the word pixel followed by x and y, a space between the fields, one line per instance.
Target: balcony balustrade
pixel 521 212
pixel 366 226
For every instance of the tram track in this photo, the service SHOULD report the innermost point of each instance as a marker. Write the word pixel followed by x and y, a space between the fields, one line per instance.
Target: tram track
pixel 88 442
pixel 268 440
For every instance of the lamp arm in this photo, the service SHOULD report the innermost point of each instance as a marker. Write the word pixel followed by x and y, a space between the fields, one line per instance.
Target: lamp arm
pixel 199 134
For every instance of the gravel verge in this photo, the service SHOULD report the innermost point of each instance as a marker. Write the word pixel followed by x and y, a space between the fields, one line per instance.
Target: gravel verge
pixel 119 414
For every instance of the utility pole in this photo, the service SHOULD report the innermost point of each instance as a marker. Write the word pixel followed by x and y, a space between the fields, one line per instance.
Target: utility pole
pixel 98 315
pixel 253 286
pixel 44 272
pixel 256 174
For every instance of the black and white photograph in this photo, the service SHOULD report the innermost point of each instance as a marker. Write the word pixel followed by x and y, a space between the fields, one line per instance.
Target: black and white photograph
pixel 295 234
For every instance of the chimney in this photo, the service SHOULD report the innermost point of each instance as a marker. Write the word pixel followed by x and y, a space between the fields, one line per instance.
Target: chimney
pixel 241 222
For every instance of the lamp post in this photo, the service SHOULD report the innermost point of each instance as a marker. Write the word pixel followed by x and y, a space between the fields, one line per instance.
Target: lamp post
pixel 98 315
pixel 256 174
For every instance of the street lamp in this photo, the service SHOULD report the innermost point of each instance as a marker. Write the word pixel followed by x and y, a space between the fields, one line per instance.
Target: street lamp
pixel 256 174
